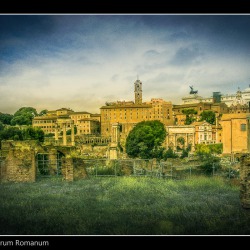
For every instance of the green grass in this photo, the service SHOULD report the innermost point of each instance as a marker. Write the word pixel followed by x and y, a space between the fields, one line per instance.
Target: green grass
pixel 122 206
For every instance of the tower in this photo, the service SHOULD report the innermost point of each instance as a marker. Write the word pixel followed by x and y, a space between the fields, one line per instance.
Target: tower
pixel 138 92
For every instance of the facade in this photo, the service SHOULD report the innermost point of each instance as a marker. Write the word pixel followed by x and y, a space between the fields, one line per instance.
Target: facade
pixel 228 99
pixel 179 117
pixel 85 122
pixel 235 133
pixel 128 114
pixel 187 132
pixel 204 133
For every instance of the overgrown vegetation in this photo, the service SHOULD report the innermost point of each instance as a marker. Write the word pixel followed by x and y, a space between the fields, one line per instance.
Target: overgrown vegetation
pixel 27 133
pixel 190 115
pixel 123 206
pixel 208 115
pixel 208 156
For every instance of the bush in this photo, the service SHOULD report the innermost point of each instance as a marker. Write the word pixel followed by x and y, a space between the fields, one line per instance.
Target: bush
pixel 169 153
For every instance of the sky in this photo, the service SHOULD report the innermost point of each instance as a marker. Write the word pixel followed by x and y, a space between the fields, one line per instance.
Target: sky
pixel 82 61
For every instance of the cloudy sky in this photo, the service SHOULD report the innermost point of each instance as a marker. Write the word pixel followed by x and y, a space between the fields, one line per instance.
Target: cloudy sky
pixel 82 61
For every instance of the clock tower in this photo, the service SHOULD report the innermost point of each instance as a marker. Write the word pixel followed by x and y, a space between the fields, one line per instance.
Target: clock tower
pixel 138 92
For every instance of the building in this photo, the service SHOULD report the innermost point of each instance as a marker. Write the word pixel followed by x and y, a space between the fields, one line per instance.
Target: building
pixel 204 133
pixel 85 122
pixel 128 114
pixel 180 117
pixel 235 133
pixel 228 99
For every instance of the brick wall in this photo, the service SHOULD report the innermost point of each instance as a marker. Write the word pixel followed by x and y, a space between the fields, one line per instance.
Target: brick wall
pixel 19 166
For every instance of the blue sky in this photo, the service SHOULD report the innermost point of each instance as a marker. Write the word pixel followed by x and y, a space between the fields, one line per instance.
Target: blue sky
pixel 82 61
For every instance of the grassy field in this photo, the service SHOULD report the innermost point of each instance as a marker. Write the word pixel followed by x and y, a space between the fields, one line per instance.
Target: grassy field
pixel 123 206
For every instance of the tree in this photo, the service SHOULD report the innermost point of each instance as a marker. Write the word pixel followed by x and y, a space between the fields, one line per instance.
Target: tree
pixel 24 116
pixel 14 133
pixel 209 160
pixel 31 133
pixel 190 115
pixel 43 112
pixel 1 126
pixel 11 133
pixel 145 139
pixel 208 115
pixel 6 118
pixel 169 153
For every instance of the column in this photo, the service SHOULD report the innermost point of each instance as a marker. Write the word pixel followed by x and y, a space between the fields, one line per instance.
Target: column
pixel 64 135
pixel 56 133
pixel 72 134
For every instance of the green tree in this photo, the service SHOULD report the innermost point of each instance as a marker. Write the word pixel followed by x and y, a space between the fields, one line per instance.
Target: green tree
pixel 190 115
pixel 11 133
pixel 1 126
pixel 6 118
pixel 24 116
pixel 207 156
pixel 169 153
pixel 145 139
pixel 14 133
pixel 31 133
pixel 43 112
pixel 208 115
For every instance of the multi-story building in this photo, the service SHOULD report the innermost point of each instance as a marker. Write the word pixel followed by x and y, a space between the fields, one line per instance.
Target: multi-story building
pixel 85 122
pixel 180 117
pixel 128 114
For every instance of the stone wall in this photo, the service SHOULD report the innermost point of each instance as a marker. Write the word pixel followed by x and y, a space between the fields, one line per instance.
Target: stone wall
pixel 73 169
pixel 19 166
pixel 94 151
pixel 245 181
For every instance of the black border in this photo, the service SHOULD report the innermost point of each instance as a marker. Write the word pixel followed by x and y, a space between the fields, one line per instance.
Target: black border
pixel 123 7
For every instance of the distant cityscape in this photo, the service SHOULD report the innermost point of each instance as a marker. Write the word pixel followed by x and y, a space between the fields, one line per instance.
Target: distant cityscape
pixel 229 127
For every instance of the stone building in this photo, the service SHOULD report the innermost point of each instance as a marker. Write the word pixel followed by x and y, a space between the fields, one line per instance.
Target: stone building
pixel 239 104
pixel 128 114
pixel 187 132
pixel 235 133
pixel 179 117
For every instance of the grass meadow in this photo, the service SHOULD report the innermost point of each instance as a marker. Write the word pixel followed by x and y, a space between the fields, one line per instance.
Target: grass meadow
pixel 123 206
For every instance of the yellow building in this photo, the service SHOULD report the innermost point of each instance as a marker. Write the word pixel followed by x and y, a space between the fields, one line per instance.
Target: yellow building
pixel 179 117
pixel 235 133
pixel 85 122
pixel 128 114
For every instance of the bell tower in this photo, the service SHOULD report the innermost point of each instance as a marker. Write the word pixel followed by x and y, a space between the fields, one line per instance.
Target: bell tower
pixel 138 91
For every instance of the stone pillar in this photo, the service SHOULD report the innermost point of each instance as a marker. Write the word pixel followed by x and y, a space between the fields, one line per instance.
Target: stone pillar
pixel 53 161
pixel 72 134
pixel 68 169
pixel 115 139
pixel 64 135
pixel 33 167
pixel 115 133
pixel 56 133
pixel 245 181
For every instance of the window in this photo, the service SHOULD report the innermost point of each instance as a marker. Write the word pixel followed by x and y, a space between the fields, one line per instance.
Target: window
pixel 243 127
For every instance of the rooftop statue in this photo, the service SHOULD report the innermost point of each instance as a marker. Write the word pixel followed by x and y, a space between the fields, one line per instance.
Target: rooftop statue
pixel 192 91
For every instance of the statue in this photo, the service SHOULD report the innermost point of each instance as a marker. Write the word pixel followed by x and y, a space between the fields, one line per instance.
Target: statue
pixel 192 91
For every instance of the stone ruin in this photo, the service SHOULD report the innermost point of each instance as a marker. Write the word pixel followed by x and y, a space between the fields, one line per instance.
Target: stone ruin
pixel 245 180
